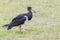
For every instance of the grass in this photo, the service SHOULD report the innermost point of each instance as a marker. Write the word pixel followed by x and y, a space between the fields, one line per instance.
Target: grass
pixel 45 24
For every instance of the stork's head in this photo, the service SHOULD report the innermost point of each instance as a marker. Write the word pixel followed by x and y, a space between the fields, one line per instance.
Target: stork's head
pixel 30 9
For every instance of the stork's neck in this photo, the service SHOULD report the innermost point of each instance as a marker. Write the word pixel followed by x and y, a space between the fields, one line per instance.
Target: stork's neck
pixel 30 12
pixel 29 15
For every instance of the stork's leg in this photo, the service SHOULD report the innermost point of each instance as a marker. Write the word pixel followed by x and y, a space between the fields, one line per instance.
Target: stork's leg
pixel 20 27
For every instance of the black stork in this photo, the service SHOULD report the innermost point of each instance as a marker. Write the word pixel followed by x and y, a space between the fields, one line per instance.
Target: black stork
pixel 21 19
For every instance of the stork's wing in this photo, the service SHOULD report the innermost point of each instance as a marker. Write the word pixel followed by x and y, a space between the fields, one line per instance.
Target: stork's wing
pixel 21 16
pixel 18 21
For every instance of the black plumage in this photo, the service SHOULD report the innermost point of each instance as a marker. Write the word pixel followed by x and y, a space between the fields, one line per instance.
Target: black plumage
pixel 20 19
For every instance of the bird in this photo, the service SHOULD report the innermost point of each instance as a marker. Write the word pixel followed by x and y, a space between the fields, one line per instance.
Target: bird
pixel 21 19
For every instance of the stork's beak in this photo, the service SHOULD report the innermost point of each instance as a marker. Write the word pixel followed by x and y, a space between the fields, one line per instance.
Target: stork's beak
pixel 34 11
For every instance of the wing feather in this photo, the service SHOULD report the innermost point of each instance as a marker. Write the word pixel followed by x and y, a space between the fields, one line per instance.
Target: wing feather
pixel 17 21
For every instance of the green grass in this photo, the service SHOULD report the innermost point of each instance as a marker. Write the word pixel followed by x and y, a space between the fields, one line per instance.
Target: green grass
pixel 45 24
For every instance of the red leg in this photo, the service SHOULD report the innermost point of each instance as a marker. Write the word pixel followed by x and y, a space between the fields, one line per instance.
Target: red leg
pixel 20 27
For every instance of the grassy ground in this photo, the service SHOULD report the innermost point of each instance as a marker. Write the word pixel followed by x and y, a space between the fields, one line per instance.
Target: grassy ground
pixel 45 24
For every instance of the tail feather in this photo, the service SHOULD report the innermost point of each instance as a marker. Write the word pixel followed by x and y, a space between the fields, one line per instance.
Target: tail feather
pixel 5 25
pixel 9 27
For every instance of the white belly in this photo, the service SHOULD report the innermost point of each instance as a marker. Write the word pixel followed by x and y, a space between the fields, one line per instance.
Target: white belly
pixel 26 19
